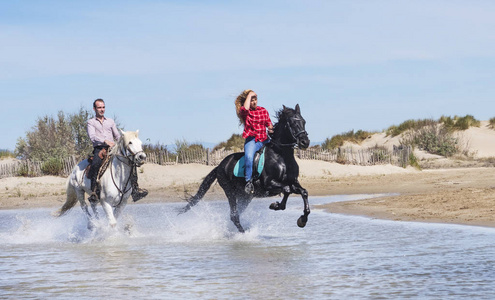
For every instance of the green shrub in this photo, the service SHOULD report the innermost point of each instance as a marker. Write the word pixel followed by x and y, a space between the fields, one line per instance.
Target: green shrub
pixel 459 123
pixel 436 140
pixel 185 151
pixel 492 123
pixel 341 157
pixel 25 171
pixel 333 143
pixel 6 154
pixel 52 166
pixel 338 140
pixel 148 148
pixel 235 143
pixel 379 154
pixel 56 137
pixel 409 125
pixel 413 161
pixel 162 154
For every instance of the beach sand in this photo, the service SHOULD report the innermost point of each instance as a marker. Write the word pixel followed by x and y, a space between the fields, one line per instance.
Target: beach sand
pixel 447 194
pixel 461 195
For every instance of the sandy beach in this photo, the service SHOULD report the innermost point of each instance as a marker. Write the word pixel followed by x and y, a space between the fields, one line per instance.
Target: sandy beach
pixel 456 195
pixel 454 191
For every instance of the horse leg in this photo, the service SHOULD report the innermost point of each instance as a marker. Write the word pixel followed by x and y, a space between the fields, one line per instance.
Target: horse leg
pixel 84 207
pixel 119 208
pixel 298 189
pixel 281 205
pixel 243 203
pixel 109 212
pixel 95 211
pixel 234 213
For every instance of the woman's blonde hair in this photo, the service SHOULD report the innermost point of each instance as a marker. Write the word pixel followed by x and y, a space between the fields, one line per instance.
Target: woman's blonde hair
pixel 239 101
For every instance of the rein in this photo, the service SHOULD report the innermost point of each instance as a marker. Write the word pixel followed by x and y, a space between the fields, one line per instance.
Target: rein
pixel 131 163
pixel 294 137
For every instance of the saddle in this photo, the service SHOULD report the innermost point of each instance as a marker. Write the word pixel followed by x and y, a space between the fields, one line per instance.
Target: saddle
pixel 258 164
pixel 104 157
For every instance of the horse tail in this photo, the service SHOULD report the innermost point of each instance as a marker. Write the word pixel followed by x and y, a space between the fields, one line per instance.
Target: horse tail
pixel 203 188
pixel 69 203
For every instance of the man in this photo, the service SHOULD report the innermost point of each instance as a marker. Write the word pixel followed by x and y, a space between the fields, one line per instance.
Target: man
pixel 103 133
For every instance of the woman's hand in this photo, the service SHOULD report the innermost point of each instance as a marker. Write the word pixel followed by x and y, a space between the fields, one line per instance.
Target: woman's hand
pixel 250 97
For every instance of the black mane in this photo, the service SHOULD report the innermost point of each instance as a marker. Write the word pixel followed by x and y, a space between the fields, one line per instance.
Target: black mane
pixel 282 116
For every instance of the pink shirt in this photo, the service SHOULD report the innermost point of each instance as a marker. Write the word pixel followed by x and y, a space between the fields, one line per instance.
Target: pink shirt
pixel 99 131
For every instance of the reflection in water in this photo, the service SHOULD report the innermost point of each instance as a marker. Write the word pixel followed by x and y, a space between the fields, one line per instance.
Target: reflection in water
pixel 201 255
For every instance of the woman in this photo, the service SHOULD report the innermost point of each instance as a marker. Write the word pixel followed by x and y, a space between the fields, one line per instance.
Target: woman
pixel 255 120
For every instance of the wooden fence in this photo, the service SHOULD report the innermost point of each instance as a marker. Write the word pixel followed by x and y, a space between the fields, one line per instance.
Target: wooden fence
pixel 365 157
pixel 28 168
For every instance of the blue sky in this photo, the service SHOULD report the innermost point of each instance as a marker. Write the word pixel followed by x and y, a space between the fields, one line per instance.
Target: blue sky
pixel 172 69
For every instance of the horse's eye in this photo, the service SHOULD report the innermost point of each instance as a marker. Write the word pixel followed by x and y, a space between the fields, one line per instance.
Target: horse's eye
pixel 130 142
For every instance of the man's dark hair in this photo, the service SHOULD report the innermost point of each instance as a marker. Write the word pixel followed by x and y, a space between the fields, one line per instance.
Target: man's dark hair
pixel 94 103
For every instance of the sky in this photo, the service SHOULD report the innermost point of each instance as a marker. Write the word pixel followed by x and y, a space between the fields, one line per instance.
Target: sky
pixel 172 69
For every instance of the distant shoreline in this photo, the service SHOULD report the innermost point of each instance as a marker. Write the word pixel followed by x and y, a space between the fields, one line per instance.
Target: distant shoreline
pixel 460 196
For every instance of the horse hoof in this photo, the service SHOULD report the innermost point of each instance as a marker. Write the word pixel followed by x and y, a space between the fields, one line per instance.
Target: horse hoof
pixel 128 229
pixel 277 206
pixel 91 226
pixel 301 222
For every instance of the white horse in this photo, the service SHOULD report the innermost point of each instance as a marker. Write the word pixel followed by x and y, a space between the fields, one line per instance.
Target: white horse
pixel 115 181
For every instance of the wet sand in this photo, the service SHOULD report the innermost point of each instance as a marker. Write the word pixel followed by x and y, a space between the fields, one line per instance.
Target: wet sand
pixel 461 196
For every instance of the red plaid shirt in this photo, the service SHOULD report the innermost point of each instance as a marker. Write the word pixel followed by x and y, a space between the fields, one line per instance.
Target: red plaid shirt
pixel 256 123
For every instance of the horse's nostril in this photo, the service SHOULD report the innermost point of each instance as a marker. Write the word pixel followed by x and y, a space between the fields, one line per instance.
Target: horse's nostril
pixel 305 143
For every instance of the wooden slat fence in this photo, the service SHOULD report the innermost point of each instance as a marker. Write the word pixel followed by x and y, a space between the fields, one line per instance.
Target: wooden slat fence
pixel 365 157
pixel 28 168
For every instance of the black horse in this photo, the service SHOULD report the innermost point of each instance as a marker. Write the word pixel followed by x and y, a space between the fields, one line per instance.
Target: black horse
pixel 279 174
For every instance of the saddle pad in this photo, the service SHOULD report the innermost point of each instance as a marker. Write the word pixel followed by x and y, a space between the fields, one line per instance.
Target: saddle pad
pixel 239 166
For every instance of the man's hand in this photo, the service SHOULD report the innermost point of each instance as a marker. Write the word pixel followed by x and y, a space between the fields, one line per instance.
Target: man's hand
pixel 109 143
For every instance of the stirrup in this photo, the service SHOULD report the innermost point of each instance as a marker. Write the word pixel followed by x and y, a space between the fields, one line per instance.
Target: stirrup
pixel 249 188
pixel 93 198
pixel 138 194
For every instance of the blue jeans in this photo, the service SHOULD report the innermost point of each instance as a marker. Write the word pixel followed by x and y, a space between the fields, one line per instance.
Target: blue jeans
pixel 250 148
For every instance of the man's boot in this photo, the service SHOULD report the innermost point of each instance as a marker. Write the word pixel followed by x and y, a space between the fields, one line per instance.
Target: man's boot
pixel 93 172
pixel 93 198
pixel 137 192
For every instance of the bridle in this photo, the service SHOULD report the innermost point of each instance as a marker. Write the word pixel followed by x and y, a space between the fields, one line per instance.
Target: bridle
pixel 128 155
pixel 295 136
pixel 131 162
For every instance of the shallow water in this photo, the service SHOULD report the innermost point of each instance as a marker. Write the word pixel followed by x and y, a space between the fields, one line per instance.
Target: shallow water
pixel 200 255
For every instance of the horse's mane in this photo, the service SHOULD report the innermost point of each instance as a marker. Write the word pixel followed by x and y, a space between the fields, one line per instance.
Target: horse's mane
pixel 124 138
pixel 282 115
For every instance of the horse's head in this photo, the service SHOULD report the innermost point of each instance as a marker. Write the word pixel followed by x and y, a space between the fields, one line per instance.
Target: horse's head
pixel 133 147
pixel 292 121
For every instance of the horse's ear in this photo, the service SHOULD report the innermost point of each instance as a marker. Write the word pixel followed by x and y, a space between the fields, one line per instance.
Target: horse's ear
pixel 284 107
pixel 137 132
pixel 121 131
pixel 298 110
